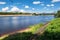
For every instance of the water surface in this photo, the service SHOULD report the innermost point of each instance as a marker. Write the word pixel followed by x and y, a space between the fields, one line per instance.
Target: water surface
pixel 9 24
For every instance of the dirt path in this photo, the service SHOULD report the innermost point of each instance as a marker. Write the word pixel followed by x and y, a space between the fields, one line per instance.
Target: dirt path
pixel 39 31
pixel 42 29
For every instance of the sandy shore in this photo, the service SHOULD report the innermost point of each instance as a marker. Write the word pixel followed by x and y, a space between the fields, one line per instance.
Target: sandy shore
pixel 10 33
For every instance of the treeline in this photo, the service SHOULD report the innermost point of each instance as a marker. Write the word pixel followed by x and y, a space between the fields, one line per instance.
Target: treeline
pixel 57 14
pixel 14 13
pixel 21 13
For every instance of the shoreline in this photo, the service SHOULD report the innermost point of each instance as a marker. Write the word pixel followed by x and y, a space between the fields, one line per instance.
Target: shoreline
pixel 16 31
pixel 16 15
pixel 11 33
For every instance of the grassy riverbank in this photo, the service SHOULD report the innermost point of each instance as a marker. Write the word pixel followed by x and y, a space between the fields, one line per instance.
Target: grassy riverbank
pixel 34 28
pixel 52 31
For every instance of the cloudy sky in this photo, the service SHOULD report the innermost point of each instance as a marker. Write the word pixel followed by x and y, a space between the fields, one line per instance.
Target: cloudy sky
pixel 29 5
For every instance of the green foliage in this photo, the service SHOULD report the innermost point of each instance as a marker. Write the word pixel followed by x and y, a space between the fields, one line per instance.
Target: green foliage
pixel 35 14
pixel 14 13
pixel 19 36
pixel 52 31
pixel 58 14
pixel 34 28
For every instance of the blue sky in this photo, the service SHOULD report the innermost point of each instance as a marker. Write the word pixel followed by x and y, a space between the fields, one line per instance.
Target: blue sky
pixel 40 6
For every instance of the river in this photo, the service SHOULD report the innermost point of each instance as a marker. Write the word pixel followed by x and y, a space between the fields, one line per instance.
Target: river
pixel 12 23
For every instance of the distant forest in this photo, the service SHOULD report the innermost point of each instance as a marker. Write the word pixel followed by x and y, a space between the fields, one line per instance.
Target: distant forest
pixel 14 13
pixel 21 13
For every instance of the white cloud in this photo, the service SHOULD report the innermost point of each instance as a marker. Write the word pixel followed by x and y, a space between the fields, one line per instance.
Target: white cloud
pixel 5 9
pixel 26 6
pixel 55 0
pixel 15 9
pixel 2 2
pixel 49 5
pixel 22 10
pixel 52 4
pixel 37 2
pixel 33 8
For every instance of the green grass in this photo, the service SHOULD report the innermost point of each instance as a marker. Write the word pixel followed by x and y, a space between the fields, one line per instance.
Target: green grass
pixel 52 31
pixel 19 36
pixel 54 26
pixel 34 28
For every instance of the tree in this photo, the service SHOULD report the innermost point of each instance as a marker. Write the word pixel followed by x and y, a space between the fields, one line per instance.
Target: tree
pixel 34 14
pixel 58 14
